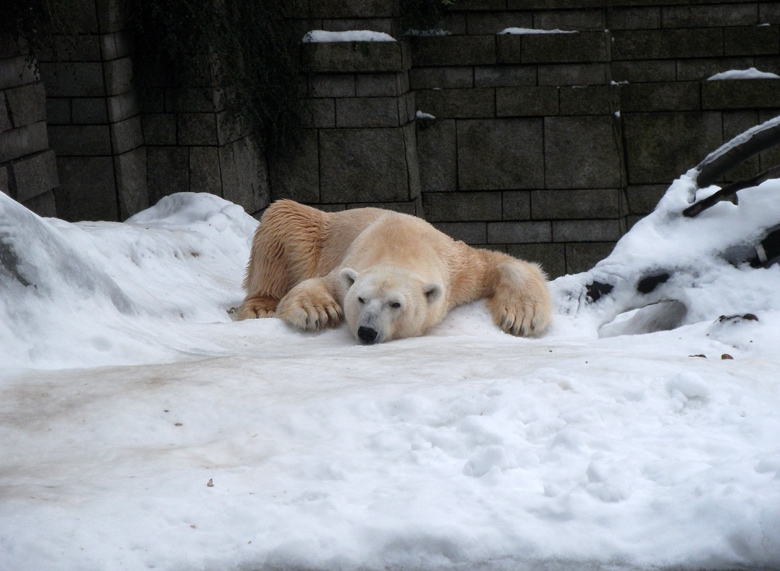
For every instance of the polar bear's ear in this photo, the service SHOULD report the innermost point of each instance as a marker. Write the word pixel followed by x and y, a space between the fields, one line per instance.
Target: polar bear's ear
pixel 433 291
pixel 348 277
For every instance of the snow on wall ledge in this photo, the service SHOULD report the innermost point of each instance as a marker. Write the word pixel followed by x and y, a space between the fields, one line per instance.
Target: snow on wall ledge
pixel 141 428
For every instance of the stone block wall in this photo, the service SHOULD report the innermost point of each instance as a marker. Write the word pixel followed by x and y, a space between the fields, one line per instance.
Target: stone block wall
pixel 28 170
pixel 93 116
pixel 550 146
pixel 547 145
pixel 359 144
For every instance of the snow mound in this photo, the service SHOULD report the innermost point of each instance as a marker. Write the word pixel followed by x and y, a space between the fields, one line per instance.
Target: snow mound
pixel 750 73
pixel 141 428
pixel 322 36
pixel 529 31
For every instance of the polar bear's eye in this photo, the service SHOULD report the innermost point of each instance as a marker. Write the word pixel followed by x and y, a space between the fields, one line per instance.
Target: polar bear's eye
pixel 395 304
pixel 361 300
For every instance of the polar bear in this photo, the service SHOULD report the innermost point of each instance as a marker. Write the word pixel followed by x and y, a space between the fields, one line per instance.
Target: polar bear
pixel 390 275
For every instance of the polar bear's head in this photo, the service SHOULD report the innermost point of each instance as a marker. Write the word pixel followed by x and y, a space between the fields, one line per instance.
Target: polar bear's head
pixel 388 302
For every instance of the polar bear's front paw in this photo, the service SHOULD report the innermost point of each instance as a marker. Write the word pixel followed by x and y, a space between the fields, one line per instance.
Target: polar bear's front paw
pixel 257 307
pixel 521 302
pixel 311 308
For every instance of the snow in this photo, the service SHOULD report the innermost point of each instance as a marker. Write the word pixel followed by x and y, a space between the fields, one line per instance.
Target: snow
pixel 322 36
pixel 425 116
pixel 126 389
pixel 750 73
pixel 524 31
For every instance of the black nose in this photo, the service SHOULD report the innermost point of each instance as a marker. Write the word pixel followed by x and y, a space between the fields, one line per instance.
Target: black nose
pixel 367 335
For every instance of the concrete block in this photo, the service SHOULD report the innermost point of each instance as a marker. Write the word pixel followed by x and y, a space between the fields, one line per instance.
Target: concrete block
pixel 126 135
pixel 34 175
pixel 453 50
pixel 124 106
pixel 353 9
pixel 167 171
pixel 378 85
pixel 295 173
pixel 500 154
pixel 488 23
pixel 441 77
pixel 575 204
pixel 702 69
pixel 23 141
pixel 229 129
pixel 318 113
pixel 552 257
pixel 117 45
pixel 73 48
pixel 204 170
pixel 89 110
pixel 462 206
pixel 368 112
pixel 634 18
pixel 667 44
pixel 473 233
pixel 516 204
pixel 509 49
pixel 584 20
pixel 741 94
pixel 83 79
pixel 341 85
pixel 43 204
pixel 26 104
pixel 642 199
pixel 661 146
pixel 438 154
pixel 197 129
pixel 752 41
pixel 80 140
pixel 244 175
pixel 678 96
pixel 519 232
pixel 581 152
pixel 15 71
pixel 481 5
pixel 769 13
pixel 642 71
pixel 86 190
pixel 385 25
pixel 113 15
pixel 590 100
pixel 586 230
pixel 119 75
pixel 710 15
pixel 457 103
pixel 582 257
pixel 4 183
pixel 526 101
pixel 573 74
pixel 57 111
pixel 356 164
pixel 131 182
pixel 354 57
pixel 564 48
pixel 505 76
pixel 159 128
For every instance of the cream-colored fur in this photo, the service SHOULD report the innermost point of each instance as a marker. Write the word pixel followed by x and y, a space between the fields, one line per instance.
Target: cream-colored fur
pixel 303 262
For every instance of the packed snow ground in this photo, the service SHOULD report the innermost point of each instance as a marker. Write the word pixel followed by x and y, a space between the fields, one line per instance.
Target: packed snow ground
pixel 141 428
